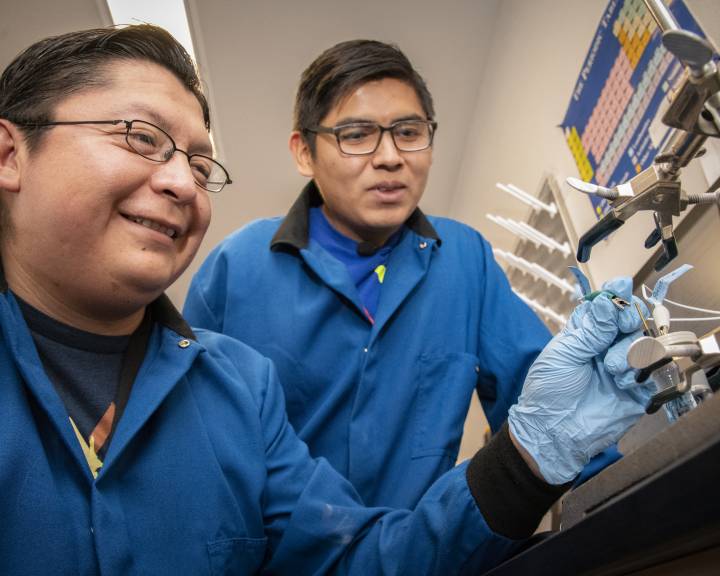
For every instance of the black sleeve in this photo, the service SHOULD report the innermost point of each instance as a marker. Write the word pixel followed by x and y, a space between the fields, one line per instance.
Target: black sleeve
pixel 510 496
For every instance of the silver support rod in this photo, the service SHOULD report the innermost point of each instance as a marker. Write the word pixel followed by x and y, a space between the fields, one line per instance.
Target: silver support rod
pixel 662 16
pixel 680 149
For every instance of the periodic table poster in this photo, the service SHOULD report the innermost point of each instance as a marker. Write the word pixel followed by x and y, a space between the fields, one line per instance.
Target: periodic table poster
pixel 613 122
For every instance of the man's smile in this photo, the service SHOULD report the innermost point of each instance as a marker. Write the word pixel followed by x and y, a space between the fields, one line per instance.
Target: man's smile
pixel 168 230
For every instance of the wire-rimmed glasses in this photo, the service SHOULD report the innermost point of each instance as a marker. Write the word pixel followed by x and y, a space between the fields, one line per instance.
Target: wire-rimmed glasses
pixel 153 143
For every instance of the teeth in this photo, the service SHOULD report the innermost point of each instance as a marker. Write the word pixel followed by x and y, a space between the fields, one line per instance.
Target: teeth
pixel 154 226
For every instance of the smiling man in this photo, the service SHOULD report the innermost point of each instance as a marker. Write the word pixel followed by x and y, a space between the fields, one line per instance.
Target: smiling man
pixel 382 321
pixel 130 444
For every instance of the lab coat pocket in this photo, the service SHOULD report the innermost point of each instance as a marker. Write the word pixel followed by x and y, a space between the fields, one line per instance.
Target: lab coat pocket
pixel 445 386
pixel 236 555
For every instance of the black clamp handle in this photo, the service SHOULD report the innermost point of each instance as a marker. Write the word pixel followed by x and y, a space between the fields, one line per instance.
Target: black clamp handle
pixel 669 244
pixel 601 230
pixel 661 398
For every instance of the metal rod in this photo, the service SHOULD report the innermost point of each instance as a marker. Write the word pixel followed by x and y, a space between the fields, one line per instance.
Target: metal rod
pixel 646 329
pixel 662 15
pixel 680 149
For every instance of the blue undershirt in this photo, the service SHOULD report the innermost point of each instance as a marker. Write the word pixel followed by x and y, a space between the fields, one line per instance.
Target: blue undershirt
pixel 367 272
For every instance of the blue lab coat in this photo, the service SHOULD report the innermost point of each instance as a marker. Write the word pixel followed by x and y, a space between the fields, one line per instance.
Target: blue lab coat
pixel 385 403
pixel 203 475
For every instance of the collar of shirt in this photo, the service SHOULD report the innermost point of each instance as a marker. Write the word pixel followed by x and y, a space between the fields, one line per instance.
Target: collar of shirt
pixel 294 232
pixel 345 249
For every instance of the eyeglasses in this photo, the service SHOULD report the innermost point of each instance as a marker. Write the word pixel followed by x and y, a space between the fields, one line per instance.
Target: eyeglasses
pixel 363 138
pixel 153 143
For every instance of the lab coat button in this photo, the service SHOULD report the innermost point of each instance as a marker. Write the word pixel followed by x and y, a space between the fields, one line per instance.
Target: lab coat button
pixel 184 343
pixel 365 350
pixel 477 369
pixel 423 245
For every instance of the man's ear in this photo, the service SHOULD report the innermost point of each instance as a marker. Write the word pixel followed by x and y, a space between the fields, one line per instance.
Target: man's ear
pixel 302 154
pixel 10 141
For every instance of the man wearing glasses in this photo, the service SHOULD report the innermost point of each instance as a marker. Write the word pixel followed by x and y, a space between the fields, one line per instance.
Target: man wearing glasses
pixel 130 444
pixel 382 321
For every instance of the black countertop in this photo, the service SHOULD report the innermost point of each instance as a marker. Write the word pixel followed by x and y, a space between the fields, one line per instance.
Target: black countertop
pixel 656 504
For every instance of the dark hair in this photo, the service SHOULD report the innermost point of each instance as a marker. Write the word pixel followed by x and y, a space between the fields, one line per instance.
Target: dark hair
pixel 344 67
pixel 54 68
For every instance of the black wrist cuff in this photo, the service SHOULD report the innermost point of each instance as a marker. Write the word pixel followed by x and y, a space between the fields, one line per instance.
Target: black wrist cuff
pixel 510 496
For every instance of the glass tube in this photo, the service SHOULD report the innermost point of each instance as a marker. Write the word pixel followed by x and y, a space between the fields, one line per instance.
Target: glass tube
pixel 666 377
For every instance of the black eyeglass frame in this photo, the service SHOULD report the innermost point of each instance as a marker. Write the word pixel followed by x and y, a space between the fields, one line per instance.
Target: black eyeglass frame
pixel 128 127
pixel 335 130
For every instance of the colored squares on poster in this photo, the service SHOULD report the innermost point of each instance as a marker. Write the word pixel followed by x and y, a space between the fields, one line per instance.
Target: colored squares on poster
pixel 632 114
pixel 613 124
pixel 633 29
pixel 578 152
pixel 608 110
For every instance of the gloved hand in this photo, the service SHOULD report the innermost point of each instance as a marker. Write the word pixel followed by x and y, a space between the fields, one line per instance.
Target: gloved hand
pixel 580 395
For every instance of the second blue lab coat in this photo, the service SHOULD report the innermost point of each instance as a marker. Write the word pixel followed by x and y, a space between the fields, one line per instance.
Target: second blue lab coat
pixel 385 403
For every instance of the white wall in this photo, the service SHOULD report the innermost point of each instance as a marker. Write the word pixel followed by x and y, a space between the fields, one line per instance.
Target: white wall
pixel 536 55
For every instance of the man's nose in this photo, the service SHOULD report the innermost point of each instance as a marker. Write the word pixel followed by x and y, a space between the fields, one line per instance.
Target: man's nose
pixel 387 153
pixel 175 178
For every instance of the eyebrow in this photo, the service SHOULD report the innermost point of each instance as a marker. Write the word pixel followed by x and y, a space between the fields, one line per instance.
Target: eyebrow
pixel 149 114
pixel 360 120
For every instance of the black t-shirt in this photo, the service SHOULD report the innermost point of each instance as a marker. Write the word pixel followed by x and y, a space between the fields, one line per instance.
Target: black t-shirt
pixel 90 374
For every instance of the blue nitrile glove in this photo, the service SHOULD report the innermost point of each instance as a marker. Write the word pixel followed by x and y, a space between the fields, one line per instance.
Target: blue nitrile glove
pixel 623 375
pixel 580 395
